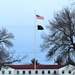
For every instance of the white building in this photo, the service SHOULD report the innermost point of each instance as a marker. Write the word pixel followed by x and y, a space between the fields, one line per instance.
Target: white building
pixel 40 70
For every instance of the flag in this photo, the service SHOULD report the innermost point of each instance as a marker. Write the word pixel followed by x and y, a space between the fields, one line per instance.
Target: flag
pixel 40 17
pixel 39 27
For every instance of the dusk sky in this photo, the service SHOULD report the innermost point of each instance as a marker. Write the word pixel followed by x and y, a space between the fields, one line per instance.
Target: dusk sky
pixel 18 17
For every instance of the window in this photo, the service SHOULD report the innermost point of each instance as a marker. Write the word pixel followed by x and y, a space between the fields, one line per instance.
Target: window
pixel 36 72
pixel 17 72
pixel 3 72
pixel 63 72
pixel 23 72
pixel 69 71
pixel 54 72
pixel 48 72
pixel 29 72
pixel 9 72
pixel 42 72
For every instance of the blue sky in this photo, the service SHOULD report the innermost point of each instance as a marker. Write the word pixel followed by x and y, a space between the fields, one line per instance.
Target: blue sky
pixel 18 17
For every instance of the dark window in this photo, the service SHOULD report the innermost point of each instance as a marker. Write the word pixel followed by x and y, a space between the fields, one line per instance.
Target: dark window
pixel 17 72
pixel 36 72
pixel 63 72
pixel 9 72
pixel 29 72
pixel 23 72
pixel 54 72
pixel 69 72
pixel 48 72
pixel 3 72
pixel 42 72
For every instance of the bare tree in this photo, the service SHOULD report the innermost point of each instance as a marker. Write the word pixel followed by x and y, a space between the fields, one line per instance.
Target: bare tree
pixel 60 41
pixel 6 57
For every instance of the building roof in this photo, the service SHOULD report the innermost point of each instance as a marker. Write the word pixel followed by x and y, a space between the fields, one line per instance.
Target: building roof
pixel 37 66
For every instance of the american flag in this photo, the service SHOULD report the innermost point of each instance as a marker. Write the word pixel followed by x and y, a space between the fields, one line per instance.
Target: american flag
pixel 40 17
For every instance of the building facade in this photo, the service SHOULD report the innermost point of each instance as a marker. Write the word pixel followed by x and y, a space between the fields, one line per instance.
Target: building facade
pixel 40 70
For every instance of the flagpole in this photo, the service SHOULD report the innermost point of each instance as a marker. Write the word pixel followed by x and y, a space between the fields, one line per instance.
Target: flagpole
pixel 35 41
pixel 39 28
